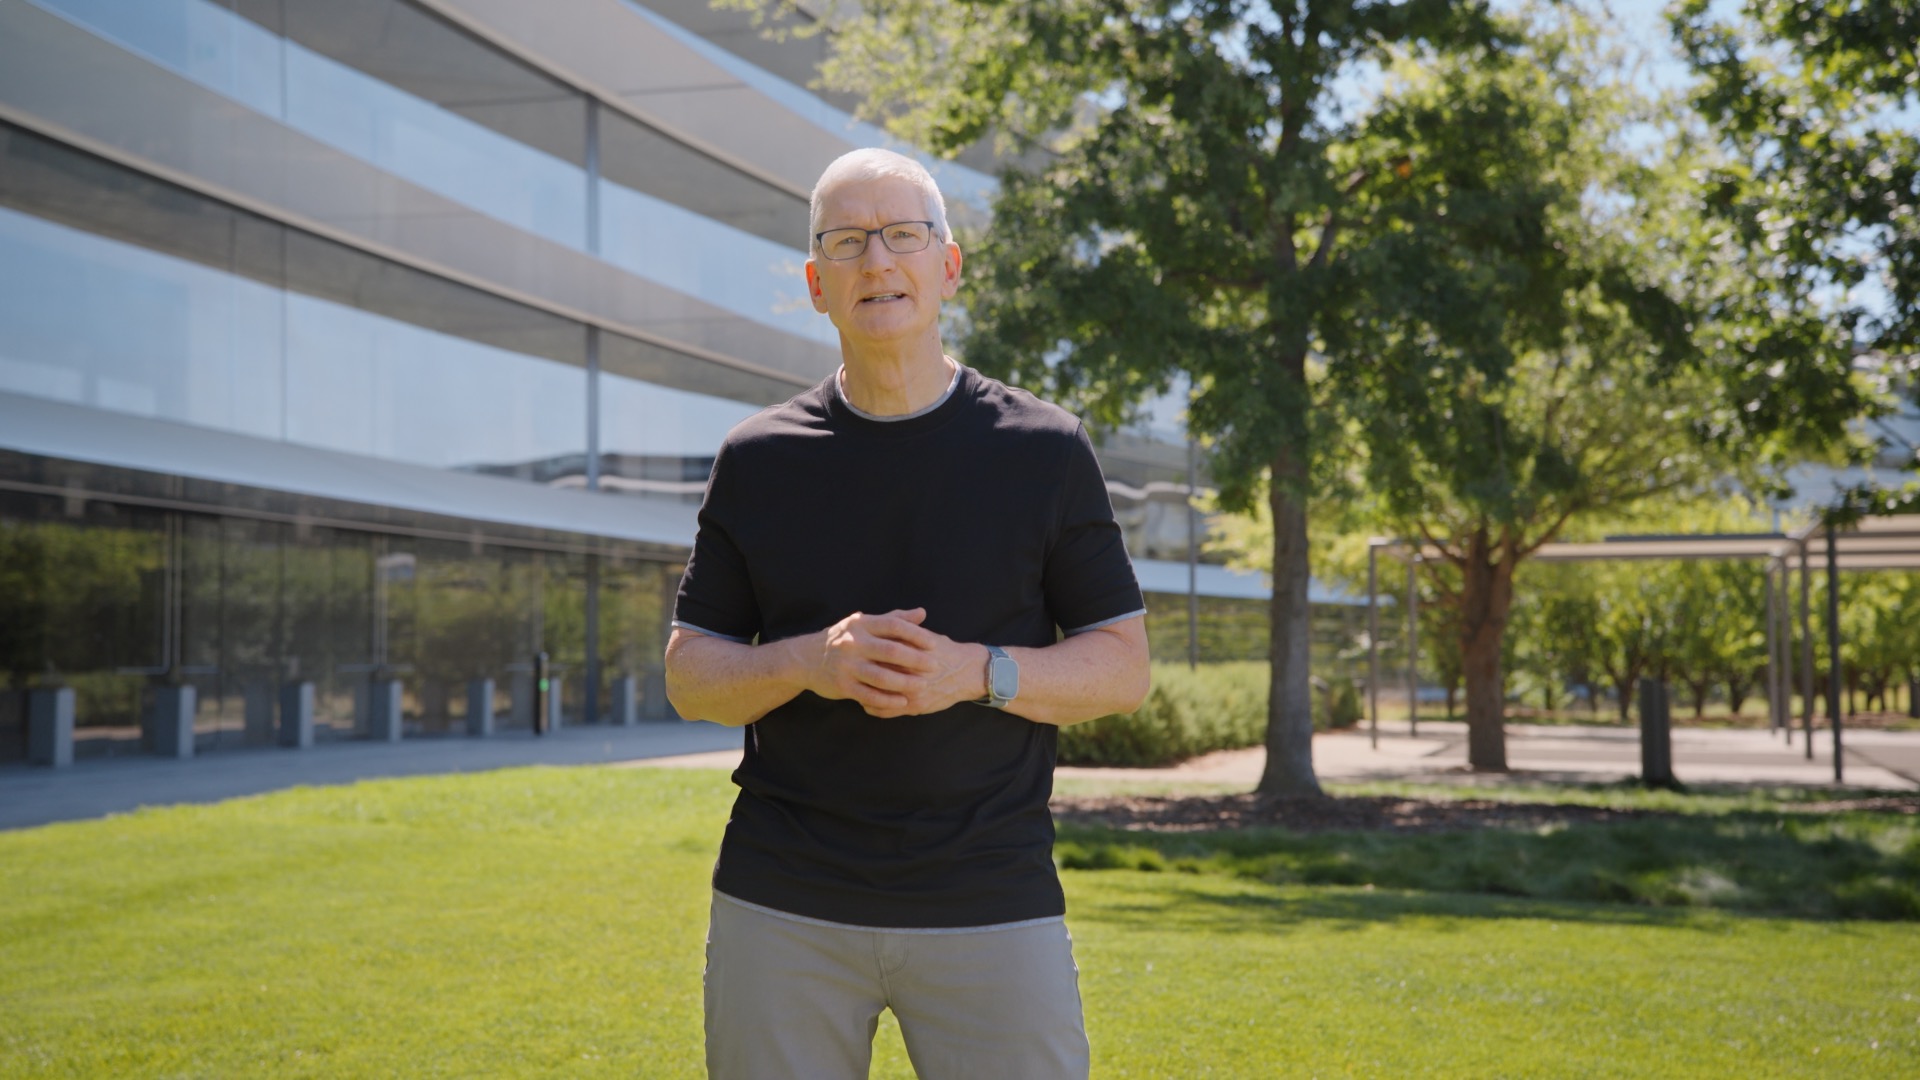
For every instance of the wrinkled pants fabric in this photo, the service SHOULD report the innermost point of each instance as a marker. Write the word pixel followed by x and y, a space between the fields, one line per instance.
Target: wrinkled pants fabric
pixel 802 999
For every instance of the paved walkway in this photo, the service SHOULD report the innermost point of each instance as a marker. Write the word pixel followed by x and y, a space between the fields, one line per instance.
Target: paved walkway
pixel 30 796
pixel 36 796
pixel 1873 759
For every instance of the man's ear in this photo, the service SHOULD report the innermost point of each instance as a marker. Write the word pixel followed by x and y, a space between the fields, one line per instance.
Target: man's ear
pixel 813 288
pixel 950 271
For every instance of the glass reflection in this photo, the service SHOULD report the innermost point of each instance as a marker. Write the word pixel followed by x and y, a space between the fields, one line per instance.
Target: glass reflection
pixel 85 602
pixel 658 441
pixel 96 322
pixel 460 157
pixel 202 41
pixel 365 384
pixel 731 269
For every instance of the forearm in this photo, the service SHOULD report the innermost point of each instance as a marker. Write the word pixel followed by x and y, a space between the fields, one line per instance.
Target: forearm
pixel 710 678
pixel 1083 677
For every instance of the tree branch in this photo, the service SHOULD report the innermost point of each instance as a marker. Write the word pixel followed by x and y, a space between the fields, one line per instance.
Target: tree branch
pixel 1330 226
pixel 1457 558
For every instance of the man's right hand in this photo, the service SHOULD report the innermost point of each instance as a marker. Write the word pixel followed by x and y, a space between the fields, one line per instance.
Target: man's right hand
pixel 879 661
pixel 889 664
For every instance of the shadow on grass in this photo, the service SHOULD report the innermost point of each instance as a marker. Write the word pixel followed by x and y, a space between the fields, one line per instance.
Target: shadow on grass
pixel 1857 866
pixel 1179 903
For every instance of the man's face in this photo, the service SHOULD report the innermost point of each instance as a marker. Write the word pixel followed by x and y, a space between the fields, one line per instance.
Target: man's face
pixel 880 296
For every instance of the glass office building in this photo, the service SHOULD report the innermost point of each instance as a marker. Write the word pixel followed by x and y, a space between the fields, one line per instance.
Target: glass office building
pixel 356 343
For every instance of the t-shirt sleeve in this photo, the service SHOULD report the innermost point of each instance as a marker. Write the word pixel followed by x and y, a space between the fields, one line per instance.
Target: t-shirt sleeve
pixel 1088 579
pixel 716 594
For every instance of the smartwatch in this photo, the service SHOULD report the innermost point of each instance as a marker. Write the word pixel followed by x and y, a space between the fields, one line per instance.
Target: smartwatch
pixel 1003 678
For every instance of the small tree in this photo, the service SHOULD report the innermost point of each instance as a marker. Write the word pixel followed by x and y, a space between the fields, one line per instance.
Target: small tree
pixel 1722 641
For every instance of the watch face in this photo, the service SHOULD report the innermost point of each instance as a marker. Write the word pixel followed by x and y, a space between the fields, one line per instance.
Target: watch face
pixel 1004 677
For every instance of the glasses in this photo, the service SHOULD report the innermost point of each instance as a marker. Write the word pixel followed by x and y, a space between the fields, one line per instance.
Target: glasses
pixel 901 238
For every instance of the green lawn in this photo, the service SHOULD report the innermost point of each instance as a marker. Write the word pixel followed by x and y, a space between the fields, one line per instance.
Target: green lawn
pixel 548 921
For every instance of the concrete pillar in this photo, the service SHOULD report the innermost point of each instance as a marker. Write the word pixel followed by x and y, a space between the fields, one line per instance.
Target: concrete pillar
pixel 383 710
pixel 480 707
pixel 170 722
pixel 625 706
pixel 296 715
pixel 1656 735
pixel 257 702
pixel 50 727
pixel 520 710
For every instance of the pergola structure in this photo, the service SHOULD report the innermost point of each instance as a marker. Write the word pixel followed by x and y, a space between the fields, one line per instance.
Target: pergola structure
pixel 1873 543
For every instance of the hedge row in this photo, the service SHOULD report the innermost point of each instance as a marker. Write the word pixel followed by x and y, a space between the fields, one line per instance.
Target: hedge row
pixel 1194 711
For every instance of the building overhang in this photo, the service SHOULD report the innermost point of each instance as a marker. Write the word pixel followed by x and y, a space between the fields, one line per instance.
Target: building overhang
pixel 76 452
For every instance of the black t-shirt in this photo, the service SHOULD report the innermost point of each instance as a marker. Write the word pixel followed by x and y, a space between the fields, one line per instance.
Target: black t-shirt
pixel 990 512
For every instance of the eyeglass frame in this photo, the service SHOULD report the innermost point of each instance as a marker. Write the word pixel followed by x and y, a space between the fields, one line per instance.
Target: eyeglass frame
pixel 819 239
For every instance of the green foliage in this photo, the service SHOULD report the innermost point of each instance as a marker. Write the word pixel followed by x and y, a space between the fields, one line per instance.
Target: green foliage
pixel 1813 105
pixel 1534 357
pixel 1194 711
pixel 74 598
pixel 1188 712
pixel 1339 706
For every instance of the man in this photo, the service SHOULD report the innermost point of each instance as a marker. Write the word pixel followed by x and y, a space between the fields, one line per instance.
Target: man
pixel 885 567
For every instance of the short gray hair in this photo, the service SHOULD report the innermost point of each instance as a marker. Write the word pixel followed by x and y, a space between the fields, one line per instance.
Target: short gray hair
pixel 873 163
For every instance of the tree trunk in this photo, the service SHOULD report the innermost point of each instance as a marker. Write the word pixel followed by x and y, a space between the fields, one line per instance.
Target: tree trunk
pixel 1699 697
pixel 1736 695
pixel 1289 769
pixel 1486 597
pixel 1453 694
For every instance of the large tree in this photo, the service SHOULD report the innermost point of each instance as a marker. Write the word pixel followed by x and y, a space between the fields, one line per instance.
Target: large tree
pixel 1188 172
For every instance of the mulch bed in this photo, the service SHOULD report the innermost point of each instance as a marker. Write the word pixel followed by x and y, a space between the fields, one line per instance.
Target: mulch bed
pixel 1207 813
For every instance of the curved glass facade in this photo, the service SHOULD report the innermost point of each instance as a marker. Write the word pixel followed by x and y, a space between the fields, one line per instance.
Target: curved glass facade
pixel 726 267
pixel 260 218
pixel 102 323
pixel 111 324
pixel 394 86
pixel 359 113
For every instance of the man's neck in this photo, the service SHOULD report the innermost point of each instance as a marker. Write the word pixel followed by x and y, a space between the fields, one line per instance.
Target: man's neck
pixel 896 384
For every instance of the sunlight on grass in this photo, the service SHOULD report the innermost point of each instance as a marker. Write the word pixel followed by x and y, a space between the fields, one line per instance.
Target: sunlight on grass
pixel 550 922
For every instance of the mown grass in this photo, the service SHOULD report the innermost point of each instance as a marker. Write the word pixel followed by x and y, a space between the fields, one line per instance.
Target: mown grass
pixel 550 922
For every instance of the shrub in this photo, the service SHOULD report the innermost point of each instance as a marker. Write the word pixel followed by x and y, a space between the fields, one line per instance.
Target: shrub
pixel 1187 713
pixel 1339 706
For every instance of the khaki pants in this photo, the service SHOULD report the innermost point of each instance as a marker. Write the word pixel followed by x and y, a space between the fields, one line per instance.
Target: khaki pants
pixel 797 998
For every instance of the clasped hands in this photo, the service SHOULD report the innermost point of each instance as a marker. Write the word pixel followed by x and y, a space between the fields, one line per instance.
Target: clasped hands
pixel 893 666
